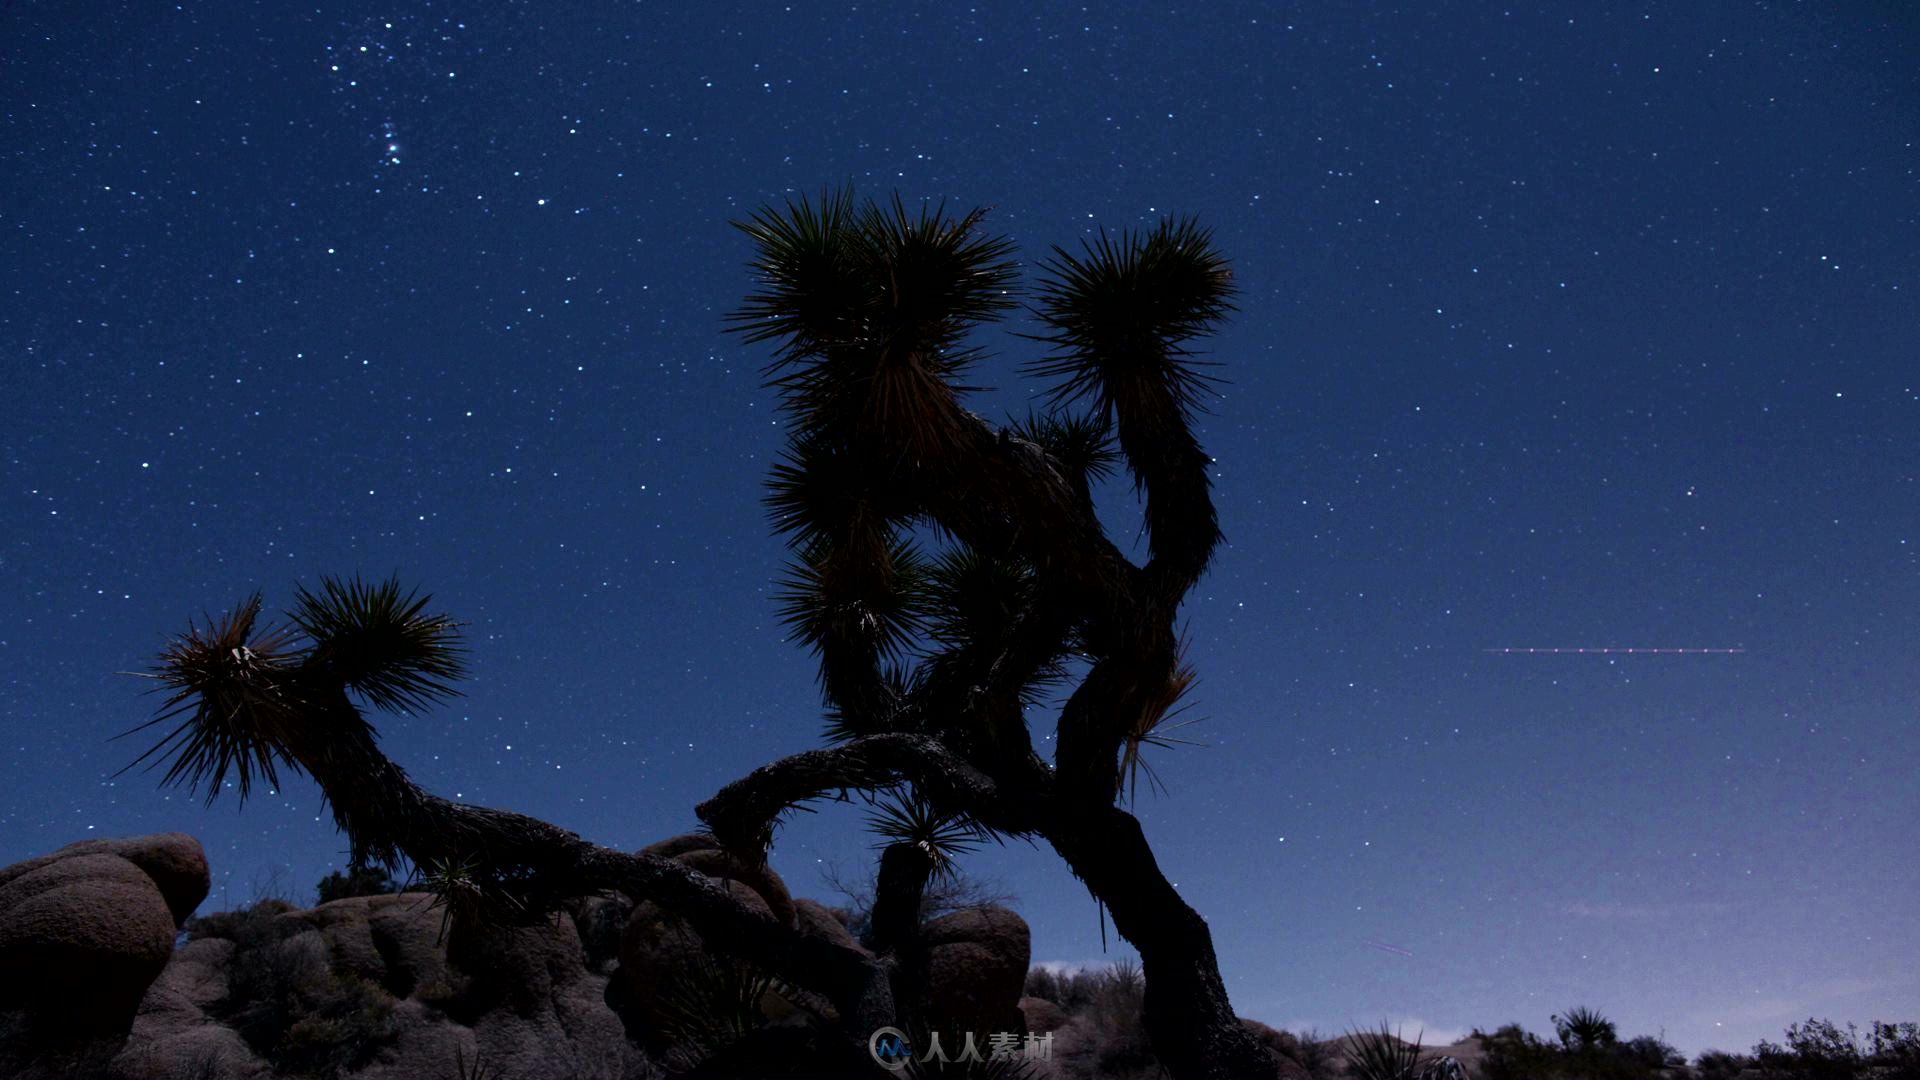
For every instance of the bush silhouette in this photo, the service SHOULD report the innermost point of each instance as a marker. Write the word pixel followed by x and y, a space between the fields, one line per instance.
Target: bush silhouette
pixel 356 881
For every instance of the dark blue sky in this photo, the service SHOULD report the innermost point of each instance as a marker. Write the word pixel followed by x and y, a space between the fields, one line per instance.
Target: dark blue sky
pixel 1566 325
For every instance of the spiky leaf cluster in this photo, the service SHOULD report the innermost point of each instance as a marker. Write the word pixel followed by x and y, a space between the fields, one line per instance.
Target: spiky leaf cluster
pixel 1120 313
pixel 246 694
pixel 866 595
pixel 1582 1028
pixel 1382 1055
pixel 713 1002
pixel 467 890
pixel 844 724
pixel 973 599
pixel 1153 726
pixel 229 680
pixel 869 305
pixel 379 642
pixel 822 490
pixel 1079 445
pixel 910 818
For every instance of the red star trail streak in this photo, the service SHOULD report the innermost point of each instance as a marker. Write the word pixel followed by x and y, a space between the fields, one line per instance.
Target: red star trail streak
pixel 1615 649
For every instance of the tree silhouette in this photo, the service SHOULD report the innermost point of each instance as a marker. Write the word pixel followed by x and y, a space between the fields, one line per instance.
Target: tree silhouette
pixel 928 662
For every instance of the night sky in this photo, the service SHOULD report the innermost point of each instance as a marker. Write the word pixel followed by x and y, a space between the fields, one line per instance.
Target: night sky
pixel 1566 326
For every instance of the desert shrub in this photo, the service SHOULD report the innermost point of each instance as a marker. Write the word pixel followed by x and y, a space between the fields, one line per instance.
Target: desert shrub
pixel 243 926
pixel 601 920
pixel 1120 991
pixel 1115 1034
pixel 1895 1049
pixel 1073 991
pixel 1104 1036
pixel 285 999
pixel 40 1046
pixel 1042 983
pixel 1720 1065
pixel 711 1005
pixel 346 1025
pixel 357 881
pixel 1650 1053
pixel 944 895
pixel 1317 1055
pixel 1815 1050
pixel 1513 1053
pixel 1822 1050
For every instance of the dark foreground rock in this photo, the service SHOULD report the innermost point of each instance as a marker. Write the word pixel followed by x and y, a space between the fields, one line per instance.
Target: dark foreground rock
pixel 86 930
pixel 387 988
pixel 976 963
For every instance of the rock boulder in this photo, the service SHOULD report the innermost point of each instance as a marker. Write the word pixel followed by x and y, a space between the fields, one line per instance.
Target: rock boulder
pixel 85 930
pixel 976 965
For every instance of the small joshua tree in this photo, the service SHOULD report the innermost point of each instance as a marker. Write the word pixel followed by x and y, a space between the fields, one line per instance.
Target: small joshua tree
pixel 927 662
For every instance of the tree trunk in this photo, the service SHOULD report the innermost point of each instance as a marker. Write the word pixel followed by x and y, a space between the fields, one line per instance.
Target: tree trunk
pixel 899 890
pixel 1187 1014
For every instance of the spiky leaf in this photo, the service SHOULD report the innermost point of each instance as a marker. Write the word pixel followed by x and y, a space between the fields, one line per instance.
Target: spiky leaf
pixel 1080 445
pixel 1153 726
pixel 1382 1055
pixel 380 642
pixel 909 818
pixel 229 680
pixel 867 596
pixel 812 286
pixel 974 599
pixel 870 307
pixel 821 490
pixel 1120 314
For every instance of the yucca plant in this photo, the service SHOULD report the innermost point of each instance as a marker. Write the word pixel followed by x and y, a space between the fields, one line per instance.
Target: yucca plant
pixel 1584 1030
pixel 477 1069
pixel 940 837
pixel 712 1003
pixel 1382 1055
pixel 927 663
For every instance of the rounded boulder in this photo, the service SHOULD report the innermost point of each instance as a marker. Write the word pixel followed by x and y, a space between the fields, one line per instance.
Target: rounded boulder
pixel 976 967
pixel 84 934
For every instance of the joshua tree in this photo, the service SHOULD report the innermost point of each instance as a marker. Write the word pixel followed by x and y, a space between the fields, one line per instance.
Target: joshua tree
pixel 927 662
pixel 870 307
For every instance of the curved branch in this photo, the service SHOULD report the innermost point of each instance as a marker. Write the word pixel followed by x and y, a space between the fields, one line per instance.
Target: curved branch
pixel 545 862
pixel 742 813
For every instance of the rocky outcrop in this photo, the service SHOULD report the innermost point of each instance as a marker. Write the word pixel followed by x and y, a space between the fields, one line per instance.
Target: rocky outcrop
pixel 702 852
pixel 386 987
pixel 175 861
pixel 815 919
pixel 664 963
pixel 1042 1015
pixel 85 930
pixel 173 1026
pixel 976 964
pixel 393 941
pixel 1284 1046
